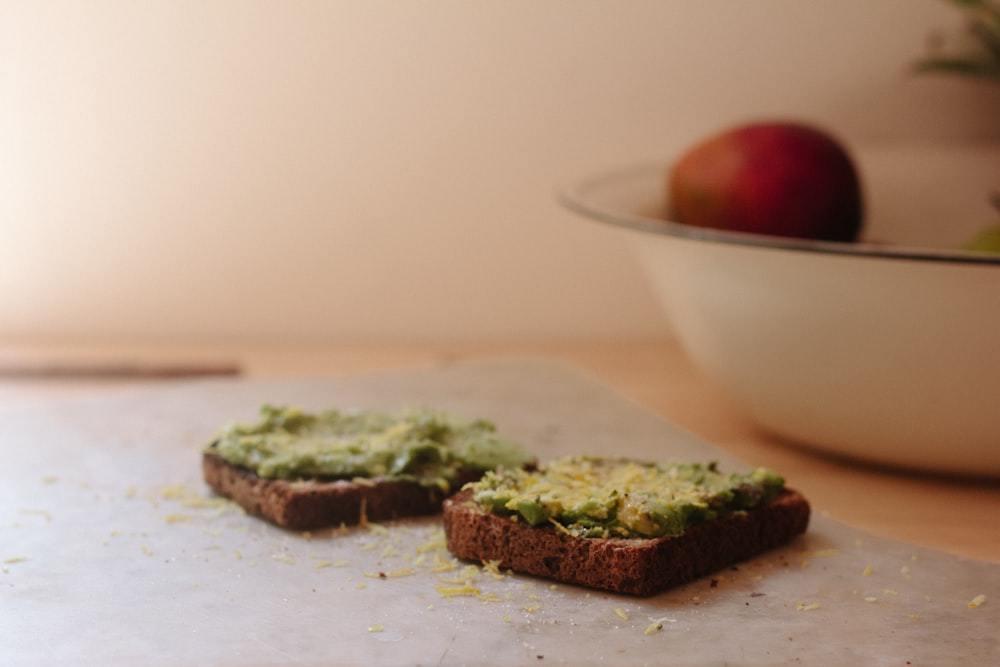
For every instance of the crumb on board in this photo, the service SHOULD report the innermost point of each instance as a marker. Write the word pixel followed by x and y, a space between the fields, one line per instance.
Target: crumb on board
pixel 807 606
pixel 492 568
pixel 656 624
pixel 465 588
pixel 977 601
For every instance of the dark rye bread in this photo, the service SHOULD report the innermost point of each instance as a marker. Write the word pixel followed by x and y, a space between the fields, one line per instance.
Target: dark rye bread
pixel 315 504
pixel 640 567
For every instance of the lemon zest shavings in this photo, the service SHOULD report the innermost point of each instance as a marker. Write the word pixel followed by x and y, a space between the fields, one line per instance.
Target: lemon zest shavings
pixel 378 529
pixel 466 589
pixel 442 564
pixel 492 568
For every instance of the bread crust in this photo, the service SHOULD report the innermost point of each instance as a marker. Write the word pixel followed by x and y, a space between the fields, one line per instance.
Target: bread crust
pixel 315 504
pixel 640 567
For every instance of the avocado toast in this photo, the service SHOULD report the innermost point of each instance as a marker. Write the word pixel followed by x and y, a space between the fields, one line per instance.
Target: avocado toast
pixel 305 471
pixel 620 525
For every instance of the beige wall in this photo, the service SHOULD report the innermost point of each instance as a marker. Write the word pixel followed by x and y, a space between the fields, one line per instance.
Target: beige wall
pixel 176 169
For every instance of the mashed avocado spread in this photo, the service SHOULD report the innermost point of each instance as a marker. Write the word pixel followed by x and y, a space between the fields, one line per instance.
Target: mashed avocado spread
pixel 424 446
pixel 597 497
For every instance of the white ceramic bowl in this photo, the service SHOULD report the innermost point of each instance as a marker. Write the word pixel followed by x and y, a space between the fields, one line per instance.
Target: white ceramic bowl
pixel 878 353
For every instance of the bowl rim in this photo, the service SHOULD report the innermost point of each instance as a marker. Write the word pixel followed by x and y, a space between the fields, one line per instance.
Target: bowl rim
pixel 577 198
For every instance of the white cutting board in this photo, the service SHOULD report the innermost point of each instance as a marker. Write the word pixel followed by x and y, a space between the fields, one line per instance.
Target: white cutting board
pixel 112 552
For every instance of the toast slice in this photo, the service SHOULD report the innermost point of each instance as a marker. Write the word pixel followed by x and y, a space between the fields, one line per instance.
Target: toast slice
pixel 634 565
pixel 311 504
pixel 305 471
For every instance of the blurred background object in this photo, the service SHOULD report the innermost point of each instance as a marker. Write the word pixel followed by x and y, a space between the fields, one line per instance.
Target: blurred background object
pixel 179 169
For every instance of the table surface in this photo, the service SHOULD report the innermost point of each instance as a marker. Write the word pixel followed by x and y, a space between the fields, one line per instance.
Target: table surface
pixel 917 508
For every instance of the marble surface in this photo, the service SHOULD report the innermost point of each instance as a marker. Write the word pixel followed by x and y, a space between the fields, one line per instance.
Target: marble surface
pixel 114 552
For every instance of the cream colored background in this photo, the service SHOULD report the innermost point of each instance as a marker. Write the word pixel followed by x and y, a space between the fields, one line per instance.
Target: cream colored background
pixel 378 169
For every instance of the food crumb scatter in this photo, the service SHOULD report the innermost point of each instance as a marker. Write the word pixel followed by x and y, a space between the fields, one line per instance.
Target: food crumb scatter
pixel 977 601
pixel 442 564
pixel 375 628
pixel 803 606
pixel 890 591
pixel 146 550
pixel 871 598
pixel 621 613
pixel 402 572
pixel 377 529
pixel 656 624
pixel 867 572
pixel 492 568
pixel 466 589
